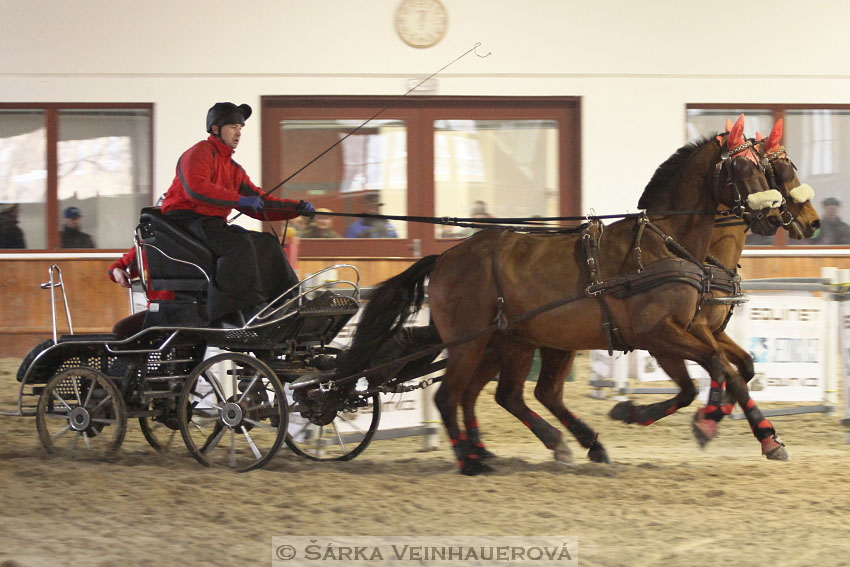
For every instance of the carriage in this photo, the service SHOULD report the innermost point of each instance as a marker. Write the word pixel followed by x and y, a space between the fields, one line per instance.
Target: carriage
pixel 269 384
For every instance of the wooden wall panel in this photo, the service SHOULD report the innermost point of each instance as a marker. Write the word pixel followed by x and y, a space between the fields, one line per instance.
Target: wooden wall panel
pixel 95 302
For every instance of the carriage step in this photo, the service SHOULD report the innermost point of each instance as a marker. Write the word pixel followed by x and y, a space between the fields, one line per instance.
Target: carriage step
pixel 175 361
pixel 164 394
pixel 165 378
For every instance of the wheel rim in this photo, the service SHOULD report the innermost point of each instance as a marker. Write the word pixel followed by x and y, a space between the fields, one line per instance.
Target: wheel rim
pixel 80 412
pixel 342 439
pixel 230 412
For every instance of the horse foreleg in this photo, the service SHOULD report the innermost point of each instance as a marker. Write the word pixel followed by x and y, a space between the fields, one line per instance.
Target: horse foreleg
pixel 771 446
pixel 555 365
pixel 509 395
pixel 717 408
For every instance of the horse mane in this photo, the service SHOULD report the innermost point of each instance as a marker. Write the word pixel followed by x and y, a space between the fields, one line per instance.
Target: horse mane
pixel 668 173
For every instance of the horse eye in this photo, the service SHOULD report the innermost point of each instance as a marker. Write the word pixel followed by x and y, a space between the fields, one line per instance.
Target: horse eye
pixel 742 168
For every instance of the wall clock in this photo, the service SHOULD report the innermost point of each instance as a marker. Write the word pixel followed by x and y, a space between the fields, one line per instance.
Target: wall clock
pixel 421 23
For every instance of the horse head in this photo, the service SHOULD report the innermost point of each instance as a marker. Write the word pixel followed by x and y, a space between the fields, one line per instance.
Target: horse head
pixel 717 171
pixel 798 214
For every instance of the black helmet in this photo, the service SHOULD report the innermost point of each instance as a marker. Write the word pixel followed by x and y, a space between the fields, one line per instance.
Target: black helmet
pixel 223 113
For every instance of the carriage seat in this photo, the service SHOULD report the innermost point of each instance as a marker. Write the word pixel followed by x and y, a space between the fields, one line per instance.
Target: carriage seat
pixel 174 260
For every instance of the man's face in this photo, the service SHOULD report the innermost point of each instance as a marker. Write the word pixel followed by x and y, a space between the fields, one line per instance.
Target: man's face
pixel 73 222
pixel 830 211
pixel 230 134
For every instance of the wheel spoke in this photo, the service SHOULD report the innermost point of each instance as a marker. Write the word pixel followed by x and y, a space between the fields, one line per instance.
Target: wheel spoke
pixel 56 416
pixel 199 400
pixel 102 402
pixel 89 394
pixel 216 388
pixel 213 441
pixel 250 387
pixel 232 457
pixel 60 400
pixel 257 454
pixel 62 432
pixel 86 439
pixel 76 382
pixel 339 437
pixel 104 420
pixel 260 424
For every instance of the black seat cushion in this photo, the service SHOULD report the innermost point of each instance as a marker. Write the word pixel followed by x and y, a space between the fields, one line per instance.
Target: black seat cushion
pixel 162 238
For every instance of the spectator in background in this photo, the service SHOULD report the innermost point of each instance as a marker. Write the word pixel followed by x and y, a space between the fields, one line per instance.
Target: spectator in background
pixel 832 229
pixel 371 227
pixel 72 236
pixel 320 227
pixel 477 211
pixel 11 235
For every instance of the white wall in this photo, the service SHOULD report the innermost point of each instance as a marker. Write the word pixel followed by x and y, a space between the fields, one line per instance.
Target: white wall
pixel 635 64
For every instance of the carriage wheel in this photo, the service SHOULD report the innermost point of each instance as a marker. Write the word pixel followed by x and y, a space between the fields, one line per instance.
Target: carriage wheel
pixel 81 412
pixel 159 435
pixel 161 430
pixel 342 439
pixel 230 412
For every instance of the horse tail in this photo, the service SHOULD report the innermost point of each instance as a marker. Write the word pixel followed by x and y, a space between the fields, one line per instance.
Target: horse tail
pixel 391 305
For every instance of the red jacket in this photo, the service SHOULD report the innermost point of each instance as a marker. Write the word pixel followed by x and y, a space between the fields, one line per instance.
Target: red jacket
pixel 210 183
pixel 127 262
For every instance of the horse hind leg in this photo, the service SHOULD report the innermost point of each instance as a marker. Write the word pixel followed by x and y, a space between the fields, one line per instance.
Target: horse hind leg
pixel 463 362
pixel 516 363
pixel 629 412
pixel 555 365
pixel 486 371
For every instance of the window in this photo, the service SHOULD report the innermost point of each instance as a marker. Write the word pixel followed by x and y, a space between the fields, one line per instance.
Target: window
pixel 420 156
pixel 817 138
pixel 74 176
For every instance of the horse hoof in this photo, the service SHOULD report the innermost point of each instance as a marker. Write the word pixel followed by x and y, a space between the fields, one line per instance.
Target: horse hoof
pixel 622 411
pixel 774 449
pixel 563 454
pixel 704 430
pixel 484 454
pixel 474 467
pixel 598 454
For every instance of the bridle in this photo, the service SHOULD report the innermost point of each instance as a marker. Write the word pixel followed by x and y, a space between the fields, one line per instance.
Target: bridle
pixel 799 194
pixel 748 210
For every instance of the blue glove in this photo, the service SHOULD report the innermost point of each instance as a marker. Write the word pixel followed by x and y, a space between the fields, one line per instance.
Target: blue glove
pixel 254 202
pixel 306 209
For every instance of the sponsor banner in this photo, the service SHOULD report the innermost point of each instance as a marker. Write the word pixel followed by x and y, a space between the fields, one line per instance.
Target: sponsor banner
pixel 784 333
pixel 844 337
pixel 786 336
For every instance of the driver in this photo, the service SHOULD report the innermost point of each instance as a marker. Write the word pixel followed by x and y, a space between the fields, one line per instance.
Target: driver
pixel 251 267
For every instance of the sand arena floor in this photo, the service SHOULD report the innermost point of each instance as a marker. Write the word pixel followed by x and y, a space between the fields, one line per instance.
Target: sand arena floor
pixel 662 501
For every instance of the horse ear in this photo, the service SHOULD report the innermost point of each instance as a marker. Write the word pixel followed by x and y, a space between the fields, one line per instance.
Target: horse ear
pixel 728 125
pixel 775 136
pixel 759 136
pixel 736 134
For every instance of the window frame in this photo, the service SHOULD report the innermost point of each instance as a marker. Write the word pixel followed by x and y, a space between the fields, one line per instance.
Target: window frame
pixel 51 112
pixel 419 114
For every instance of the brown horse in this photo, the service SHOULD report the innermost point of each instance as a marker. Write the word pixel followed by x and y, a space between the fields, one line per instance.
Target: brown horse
pixel 633 284
pixel 802 223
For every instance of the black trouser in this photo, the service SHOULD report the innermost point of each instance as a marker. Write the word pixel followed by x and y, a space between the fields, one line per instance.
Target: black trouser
pixel 250 266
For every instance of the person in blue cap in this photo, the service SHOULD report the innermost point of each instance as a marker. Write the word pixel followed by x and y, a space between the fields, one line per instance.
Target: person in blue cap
pixel 72 236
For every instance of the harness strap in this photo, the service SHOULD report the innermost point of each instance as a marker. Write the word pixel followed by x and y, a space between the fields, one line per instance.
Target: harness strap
pixel 591 241
pixel 500 320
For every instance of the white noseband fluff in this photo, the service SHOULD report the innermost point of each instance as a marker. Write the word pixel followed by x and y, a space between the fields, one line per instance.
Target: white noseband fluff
pixel 801 193
pixel 770 199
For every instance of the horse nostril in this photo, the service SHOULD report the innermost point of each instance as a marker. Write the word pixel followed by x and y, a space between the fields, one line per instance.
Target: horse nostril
pixel 816 224
pixel 775 221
